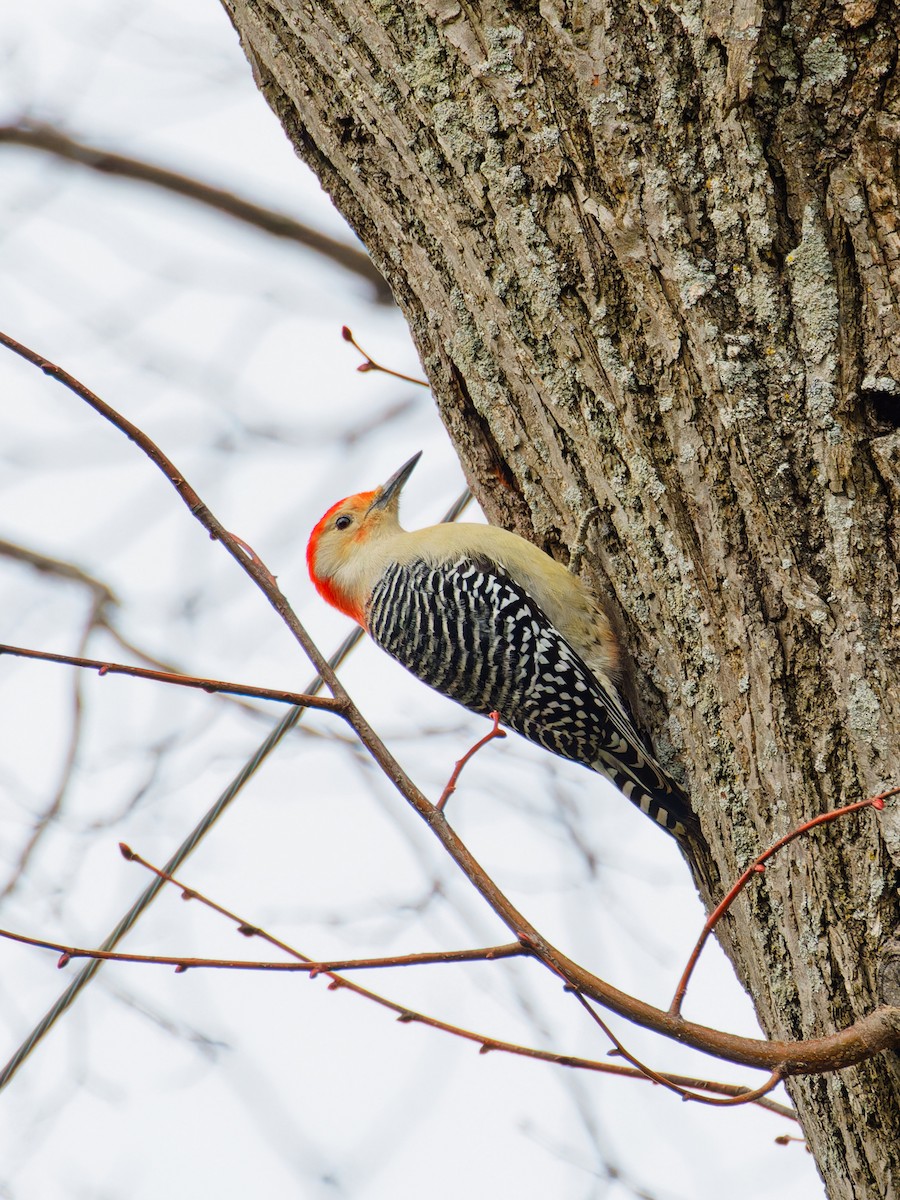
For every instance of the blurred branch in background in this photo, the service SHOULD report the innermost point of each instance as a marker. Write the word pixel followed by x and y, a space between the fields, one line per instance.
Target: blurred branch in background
pixel 50 140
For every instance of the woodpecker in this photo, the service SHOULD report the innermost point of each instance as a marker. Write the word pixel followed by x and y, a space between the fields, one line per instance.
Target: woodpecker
pixel 483 616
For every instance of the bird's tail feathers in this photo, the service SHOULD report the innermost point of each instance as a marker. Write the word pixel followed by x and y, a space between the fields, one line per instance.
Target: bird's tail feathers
pixel 646 785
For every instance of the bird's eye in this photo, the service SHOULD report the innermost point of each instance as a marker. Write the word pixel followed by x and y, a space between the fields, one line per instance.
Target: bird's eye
pixel 343 521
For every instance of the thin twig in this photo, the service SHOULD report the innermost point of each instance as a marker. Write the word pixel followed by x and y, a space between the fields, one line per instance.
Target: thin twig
pixel 100 601
pixel 491 953
pixel 45 564
pixel 371 365
pixel 310 967
pixel 405 1015
pixel 103 667
pixel 448 791
pixel 743 1096
pixel 757 867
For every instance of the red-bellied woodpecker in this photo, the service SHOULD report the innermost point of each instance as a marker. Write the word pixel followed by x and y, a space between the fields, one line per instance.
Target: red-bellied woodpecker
pixel 488 619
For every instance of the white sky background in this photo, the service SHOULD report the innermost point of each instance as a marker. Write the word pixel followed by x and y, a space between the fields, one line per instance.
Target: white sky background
pixel 224 345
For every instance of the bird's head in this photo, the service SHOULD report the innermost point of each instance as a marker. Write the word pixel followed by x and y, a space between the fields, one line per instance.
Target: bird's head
pixel 346 550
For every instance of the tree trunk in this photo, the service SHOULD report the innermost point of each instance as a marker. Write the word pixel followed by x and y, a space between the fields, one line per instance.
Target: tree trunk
pixel 650 255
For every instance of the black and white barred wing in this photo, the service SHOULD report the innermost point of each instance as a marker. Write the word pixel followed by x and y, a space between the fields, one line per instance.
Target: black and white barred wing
pixel 472 633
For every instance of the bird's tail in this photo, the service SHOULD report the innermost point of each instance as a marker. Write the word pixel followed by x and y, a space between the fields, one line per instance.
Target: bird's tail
pixel 645 784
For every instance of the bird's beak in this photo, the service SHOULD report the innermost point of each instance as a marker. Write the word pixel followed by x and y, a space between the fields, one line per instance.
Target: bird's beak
pixel 395 484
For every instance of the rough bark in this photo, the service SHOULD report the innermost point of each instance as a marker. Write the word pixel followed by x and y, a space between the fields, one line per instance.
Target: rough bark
pixel 650 254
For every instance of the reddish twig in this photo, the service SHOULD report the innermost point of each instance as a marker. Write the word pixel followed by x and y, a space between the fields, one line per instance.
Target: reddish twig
pixel 298 699
pixel 679 1082
pixel 371 365
pixel 492 953
pixel 510 950
pixel 757 867
pixel 183 963
pixel 404 1015
pixel 741 1096
pixel 254 557
pixel 448 791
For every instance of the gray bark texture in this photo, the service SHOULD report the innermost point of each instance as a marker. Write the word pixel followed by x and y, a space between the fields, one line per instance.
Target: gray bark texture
pixel 650 255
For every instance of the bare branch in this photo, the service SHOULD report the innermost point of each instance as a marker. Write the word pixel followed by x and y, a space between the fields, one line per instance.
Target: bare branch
pixel 303 965
pixel 102 667
pixel 47 565
pixel 744 1096
pixel 405 1015
pixel 879 1030
pixel 101 599
pixel 50 140
pixel 490 953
